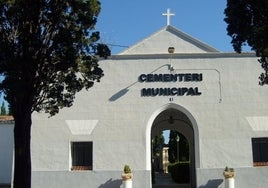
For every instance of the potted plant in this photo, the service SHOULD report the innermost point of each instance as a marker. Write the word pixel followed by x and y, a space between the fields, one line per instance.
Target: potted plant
pixel 127 175
pixel 228 172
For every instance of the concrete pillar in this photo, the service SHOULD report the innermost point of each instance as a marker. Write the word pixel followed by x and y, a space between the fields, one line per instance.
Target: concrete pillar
pixel 229 182
pixel 127 177
pixel 229 175
pixel 127 183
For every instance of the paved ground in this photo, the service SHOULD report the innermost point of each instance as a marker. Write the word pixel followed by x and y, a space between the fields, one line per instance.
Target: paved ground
pixel 163 180
pixel 4 186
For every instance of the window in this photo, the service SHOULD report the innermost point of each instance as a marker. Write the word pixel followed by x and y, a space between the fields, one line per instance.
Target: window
pixel 81 153
pixel 260 151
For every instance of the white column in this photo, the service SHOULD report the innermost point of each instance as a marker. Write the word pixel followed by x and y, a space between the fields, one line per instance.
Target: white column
pixel 229 175
pixel 127 183
pixel 229 182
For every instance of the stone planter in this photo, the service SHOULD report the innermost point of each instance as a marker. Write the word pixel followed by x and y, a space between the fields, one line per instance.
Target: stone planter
pixel 229 178
pixel 127 180
pixel 127 177
pixel 227 174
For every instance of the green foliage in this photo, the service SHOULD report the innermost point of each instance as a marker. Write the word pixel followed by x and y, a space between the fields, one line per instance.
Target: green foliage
pixel 172 144
pixel 153 173
pixel 127 169
pixel 247 23
pixel 264 76
pixel 9 111
pixel 173 147
pixel 157 144
pixel 3 109
pixel 48 52
pixel 180 172
pixel 227 169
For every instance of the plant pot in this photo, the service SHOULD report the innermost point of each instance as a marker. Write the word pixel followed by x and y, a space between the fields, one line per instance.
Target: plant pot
pixel 127 180
pixel 228 174
pixel 127 176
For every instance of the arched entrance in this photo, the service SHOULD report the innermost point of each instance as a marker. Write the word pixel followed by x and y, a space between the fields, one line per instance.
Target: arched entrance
pixel 174 117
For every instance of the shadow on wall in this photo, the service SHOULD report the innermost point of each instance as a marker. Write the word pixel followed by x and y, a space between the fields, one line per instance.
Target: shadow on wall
pixel 212 183
pixel 122 92
pixel 111 184
pixel 118 94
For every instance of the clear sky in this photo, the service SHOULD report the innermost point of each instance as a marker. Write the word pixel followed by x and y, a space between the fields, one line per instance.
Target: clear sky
pixel 125 22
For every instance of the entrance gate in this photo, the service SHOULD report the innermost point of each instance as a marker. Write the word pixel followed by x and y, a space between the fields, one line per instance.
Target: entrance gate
pixel 176 118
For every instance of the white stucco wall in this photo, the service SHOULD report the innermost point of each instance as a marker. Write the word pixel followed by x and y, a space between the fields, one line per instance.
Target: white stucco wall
pixel 159 42
pixel 6 152
pixel 230 94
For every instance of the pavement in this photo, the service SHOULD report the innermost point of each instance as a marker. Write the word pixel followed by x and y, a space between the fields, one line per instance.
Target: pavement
pixel 5 186
pixel 164 180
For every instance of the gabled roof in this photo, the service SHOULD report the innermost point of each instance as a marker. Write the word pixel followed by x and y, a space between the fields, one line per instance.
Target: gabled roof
pixel 169 36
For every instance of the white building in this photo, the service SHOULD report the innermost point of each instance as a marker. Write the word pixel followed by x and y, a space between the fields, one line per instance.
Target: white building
pixel 212 98
pixel 6 150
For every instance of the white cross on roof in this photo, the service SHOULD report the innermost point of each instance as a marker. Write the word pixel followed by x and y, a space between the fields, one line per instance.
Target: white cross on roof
pixel 168 15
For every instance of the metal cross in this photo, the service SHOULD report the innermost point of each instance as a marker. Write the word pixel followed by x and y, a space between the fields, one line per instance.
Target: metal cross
pixel 168 15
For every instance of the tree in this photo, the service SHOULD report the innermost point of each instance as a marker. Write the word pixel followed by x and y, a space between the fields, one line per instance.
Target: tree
pixel 3 110
pixel 48 53
pixel 247 23
pixel 157 143
pixel 157 148
pixel 184 152
pixel 9 110
pixel 173 147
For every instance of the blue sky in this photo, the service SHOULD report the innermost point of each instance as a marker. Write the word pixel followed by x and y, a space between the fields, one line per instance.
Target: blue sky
pixel 124 22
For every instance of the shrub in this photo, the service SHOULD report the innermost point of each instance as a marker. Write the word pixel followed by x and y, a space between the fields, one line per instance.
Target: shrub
pixel 153 174
pixel 127 169
pixel 180 172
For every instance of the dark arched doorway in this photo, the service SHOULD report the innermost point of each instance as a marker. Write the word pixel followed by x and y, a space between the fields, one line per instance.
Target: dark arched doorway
pixel 178 122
